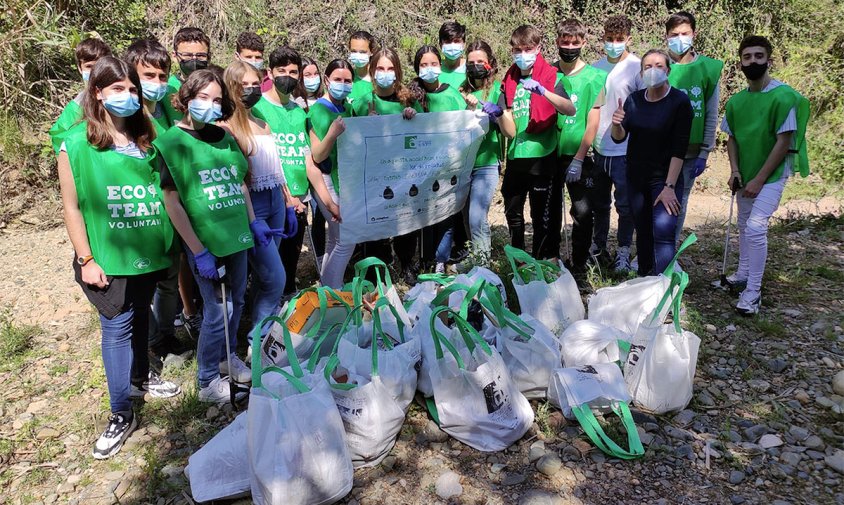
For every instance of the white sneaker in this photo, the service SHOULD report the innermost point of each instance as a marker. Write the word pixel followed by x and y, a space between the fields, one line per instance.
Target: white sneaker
pixel 118 430
pixel 622 260
pixel 440 268
pixel 218 392
pixel 156 387
pixel 239 371
pixel 749 303
pixel 634 264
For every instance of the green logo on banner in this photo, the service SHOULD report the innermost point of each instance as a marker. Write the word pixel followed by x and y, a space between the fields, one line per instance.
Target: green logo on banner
pixel 410 142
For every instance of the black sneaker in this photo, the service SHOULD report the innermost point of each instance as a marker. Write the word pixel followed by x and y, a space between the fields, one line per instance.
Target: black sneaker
pixel 192 324
pixel 156 387
pixel 118 430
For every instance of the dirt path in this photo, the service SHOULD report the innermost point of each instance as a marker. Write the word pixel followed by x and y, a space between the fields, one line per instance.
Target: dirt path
pixel 765 375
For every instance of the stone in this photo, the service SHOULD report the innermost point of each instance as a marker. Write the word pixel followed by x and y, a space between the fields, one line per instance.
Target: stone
pixel 537 450
pixel 790 458
pixel 737 499
pixel 685 417
pixel 755 432
pixel 838 383
pixel 646 438
pixel 47 433
pixel 570 452
pixel 433 432
pixel 678 433
pixel 115 475
pixel 65 488
pixel 685 451
pixel 498 467
pixel 212 412
pixel 448 485
pixel 759 385
pixel 540 497
pixel 814 442
pixel 730 328
pixel 769 441
pixel 791 312
pixel 513 479
pixel 705 400
pixel 388 463
pixel 736 477
pixel 836 461
pixel 819 328
pixel 799 433
pixel 549 464
pixel 777 365
pixel 710 328
pixel 172 470
pixel 37 406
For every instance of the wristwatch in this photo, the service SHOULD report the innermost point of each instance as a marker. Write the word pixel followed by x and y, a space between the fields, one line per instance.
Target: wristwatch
pixel 83 260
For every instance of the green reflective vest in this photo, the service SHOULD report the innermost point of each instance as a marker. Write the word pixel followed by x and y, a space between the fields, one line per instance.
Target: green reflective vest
pixel 524 144
pixel 584 88
pixel 288 124
pixel 698 80
pixel 491 150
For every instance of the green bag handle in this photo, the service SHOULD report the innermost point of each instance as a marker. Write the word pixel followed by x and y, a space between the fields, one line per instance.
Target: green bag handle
pixel 691 239
pixel 332 364
pixel 442 296
pixel 297 384
pixel 532 265
pixel 257 371
pixel 441 279
pixel 472 292
pixel 314 359
pixel 470 336
pixel 385 283
pixel 323 292
pixel 493 301
pixel 596 434
pixel 376 318
pixel 358 286
pixel 679 280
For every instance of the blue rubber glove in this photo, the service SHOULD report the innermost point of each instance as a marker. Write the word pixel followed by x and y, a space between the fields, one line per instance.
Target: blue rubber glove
pixel 574 171
pixel 262 232
pixel 291 225
pixel 533 86
pixel 492 109
pixel 700 166
pixel 206 265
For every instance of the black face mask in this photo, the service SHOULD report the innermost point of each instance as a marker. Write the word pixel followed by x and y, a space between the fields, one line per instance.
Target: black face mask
pixel 754 71
pixel 188 66
pixel 285 84
pixel 569 54
pixel 250 96
pixel 477 71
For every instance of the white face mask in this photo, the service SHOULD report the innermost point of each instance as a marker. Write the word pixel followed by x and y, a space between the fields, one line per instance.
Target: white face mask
pixel 654 77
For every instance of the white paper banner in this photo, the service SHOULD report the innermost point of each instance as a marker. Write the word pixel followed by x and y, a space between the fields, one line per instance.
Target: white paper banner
pixel 399 175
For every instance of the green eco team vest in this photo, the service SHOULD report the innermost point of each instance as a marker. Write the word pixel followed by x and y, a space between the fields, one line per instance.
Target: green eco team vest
pixel 289 126
pixel 755 117
pixel 454 78
pixel 209 179
pixel 528 145
pixel 70 117
pixel 447 100
pixel 360 107
pixel 360 87
pixel 164 121
pixel 173 86
pixel 123 207
pixel 698 80
pixel 491 150
pixel 321 119
pixel 584 88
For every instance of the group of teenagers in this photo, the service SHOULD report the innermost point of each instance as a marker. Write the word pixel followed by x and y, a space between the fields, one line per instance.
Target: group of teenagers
pixel 173 184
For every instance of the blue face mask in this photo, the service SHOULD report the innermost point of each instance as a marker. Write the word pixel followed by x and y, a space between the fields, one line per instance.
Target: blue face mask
pixel 453 51
pixel 339 90
pixel 122 104
pixel 86 74
pixel 680 44
pixel 257 65
pixel 205 111
pixel 614 49
pixel 359 60
pixel 311 83
pixel 524 60
pixel 153 91
pixel 385 79
pixel 429 74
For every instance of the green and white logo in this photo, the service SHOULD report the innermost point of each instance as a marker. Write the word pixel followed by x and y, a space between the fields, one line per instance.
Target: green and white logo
pixel 142 263
pixel 245 238
pixel 410 142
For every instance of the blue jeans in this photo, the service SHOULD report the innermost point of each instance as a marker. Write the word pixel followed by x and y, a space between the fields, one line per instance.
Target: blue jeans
pixel 615 168
pixel 124 342
pixel 483 183
pixel 688 182
pixel 655 227
pixel 268 276
pixel 211 349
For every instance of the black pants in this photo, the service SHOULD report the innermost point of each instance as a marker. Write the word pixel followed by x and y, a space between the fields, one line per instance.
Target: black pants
pixel 581 194
pixel 290 250
pixel 532 179
pixel 318 230
pixel 405 248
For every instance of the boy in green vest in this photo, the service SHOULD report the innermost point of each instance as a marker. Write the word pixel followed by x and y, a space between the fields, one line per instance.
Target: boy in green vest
pixel 766 124
pixel 87 53
pixel 697 76
pixel 453 45
pixel 585 85
pixel 192 51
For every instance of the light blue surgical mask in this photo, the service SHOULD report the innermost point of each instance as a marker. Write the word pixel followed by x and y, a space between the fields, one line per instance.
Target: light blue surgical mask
pixel 524 60
pixel 654 77
pixel 614 49
pixel 312 83
pixel 86 74
pixel 680 44
pixel 429 74
pixel 205 111
pixel 153 91
pixel 122 104
pixel 453 51
pixel 257 64
pixel 385 79
pixel 358 60
pixel 339 90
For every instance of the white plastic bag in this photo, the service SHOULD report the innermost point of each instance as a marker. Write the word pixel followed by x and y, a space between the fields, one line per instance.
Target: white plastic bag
pixel 219 470
pixel 295 440
pixel 660 367
pixel 475 399
pixel 384 288
pixel 579 391
pixel 546 291
pixel 481 273
pixel 587 342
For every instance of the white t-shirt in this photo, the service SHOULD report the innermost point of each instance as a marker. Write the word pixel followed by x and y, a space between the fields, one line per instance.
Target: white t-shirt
pixel 621 81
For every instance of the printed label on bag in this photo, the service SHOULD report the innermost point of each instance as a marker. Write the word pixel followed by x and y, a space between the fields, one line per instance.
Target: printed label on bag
pixel 633 355
pixel 494 396
pixel 350 409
